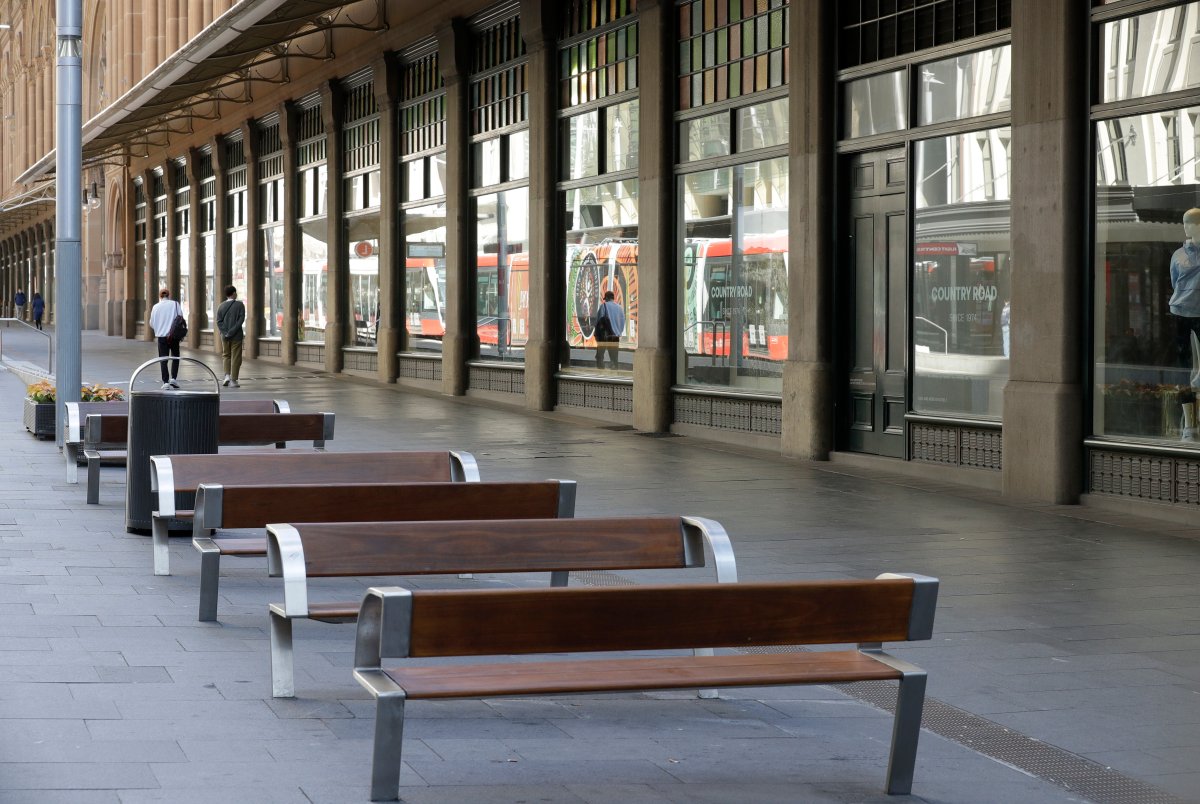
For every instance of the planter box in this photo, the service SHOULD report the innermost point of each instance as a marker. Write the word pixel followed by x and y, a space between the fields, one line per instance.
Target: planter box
pixel 39 418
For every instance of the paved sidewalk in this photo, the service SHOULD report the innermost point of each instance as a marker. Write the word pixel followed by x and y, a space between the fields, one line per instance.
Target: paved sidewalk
pixel 1065 646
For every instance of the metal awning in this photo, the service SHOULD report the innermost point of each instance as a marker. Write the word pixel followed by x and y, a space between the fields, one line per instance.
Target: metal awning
pixel 252 42
pixel 29 206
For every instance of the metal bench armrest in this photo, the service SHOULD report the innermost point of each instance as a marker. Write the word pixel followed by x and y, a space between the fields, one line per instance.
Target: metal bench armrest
pixel 384 626
pixel 285 556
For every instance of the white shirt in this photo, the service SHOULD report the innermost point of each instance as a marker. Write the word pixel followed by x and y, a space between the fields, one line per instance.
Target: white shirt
pixel 162 316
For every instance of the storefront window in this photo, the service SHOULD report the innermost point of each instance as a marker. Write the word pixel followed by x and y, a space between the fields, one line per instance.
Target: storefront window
pixel 1150 54
pixel 502 274
pixel 362 239
pixel 314 256
pixel 733 275
pixel 962 274
pixel 875 105
pixel 602 256
pixel 425 277
pixel 1147 274
pixel 273 281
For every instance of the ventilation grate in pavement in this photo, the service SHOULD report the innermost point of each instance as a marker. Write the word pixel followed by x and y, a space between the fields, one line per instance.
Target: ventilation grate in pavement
pixel 1086 779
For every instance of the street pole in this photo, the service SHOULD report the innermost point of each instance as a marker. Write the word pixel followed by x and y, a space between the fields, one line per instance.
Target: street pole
pixel 68 274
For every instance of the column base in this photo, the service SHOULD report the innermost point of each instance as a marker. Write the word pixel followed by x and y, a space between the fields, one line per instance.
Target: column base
pixel 808 411
pixel 1043 442
pixel 653 407
pixel 541 364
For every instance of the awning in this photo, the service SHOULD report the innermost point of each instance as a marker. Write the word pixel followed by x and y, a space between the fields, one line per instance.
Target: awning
pixel 252 42
pixel 31 205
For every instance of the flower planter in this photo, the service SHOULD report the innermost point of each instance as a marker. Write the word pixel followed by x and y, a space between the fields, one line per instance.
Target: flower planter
pixel 39 418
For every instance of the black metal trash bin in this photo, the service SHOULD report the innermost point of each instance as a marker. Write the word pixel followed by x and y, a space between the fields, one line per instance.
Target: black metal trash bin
pixel 165 423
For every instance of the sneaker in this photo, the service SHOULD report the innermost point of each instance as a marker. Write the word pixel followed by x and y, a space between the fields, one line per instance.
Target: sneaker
pixel 167 386
pixel 235 384
pixel 173 383
pixel 227 381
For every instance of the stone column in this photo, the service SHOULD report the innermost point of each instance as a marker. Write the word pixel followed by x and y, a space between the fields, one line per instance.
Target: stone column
pixel 461 341
pixel 547 345
pixel 386 84
pixel 132 280
pixel 332 103
pixel 1043 400
pixel 808 374
pixel 195 246
pixel 254 244
pixel 654 358
pixel 292 272
pixel 149 278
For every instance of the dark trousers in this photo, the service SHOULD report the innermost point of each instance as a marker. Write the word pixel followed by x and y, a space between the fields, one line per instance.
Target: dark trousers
pixel 606 346
pixel 167 347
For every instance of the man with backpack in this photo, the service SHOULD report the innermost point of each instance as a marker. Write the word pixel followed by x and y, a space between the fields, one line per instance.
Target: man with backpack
pixel 230 317
pixel 162 322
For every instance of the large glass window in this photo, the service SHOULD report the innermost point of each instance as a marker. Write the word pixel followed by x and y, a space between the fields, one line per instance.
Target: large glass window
pixel 733 276
pixel 235 223
pixel 362 239
pixel 875 105
pixel 969 85
pixel 601 256
pixel 312 184
pixel 962 273
pixel 1150 54
pixel 1147 274
pixel 270 219
pixel 502 274
pixel 139 249
pixel 425 277
pixel 360 135
pixel 158 230
pixel 207 221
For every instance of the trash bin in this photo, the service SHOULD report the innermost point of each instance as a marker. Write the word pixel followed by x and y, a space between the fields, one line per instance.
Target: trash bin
pixel 165 423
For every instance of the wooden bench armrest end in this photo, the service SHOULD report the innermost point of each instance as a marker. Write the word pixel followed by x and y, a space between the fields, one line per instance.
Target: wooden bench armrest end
pixel 924 603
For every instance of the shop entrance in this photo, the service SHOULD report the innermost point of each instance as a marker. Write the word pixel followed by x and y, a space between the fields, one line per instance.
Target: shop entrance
pixel 872 286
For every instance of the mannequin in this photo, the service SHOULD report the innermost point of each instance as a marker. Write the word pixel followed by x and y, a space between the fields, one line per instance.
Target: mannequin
pixel 1185 287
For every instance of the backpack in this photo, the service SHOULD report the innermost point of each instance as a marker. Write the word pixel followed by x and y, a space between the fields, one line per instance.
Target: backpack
pixel 179 329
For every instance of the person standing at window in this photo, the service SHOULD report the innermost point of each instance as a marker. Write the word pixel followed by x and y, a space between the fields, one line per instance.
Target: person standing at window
pixel 230 317
pixel 609 324
pixel 38 307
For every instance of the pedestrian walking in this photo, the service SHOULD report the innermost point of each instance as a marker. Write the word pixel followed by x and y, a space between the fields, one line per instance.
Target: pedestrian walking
pixel 162 322
pixel 38 307
pixel 19 303
pixel 230 317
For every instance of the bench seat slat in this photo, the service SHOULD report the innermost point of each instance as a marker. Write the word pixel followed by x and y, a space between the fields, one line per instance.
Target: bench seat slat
pixel 615 675
pixel 241 545
pixel 342 612
pixel 314 467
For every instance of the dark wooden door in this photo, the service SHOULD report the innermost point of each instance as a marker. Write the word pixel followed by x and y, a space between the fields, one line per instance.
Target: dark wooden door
pixel 873 294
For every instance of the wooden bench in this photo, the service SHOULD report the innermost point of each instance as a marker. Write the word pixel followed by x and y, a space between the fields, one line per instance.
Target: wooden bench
pixel 221 507
pixel 398 623
pixel 174 478
pixel 77 413
pixel 235 428
pixel 558 546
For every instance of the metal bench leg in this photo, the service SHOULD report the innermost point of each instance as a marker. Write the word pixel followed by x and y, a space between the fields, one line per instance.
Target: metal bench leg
pixel 71 453
pixel 210 580
pixel 560 577
pixel 910 700
pixel 283 682
pixel 385 758
pixel 93 478
pixel 161 541
pixel 704 693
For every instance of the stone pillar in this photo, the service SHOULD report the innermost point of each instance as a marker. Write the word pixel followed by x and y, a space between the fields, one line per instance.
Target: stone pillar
pixel 1043 400
pixel 40 255
pixel 547 345
pixel 808 374
pixel 332 103
pixel 461 340
pixel 132 280
pixel 292 272
pixel 195 246
pixel 254 244
pixel 654 358
pixel 386 84
pixel 149 278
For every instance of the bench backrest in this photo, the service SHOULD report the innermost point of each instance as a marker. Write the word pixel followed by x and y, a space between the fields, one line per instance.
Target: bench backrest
pixel 77 413
pixel 172 474
pixel 106 424
pixel 398 622
pixel 255 429
pixel 300 551
pixel 227 506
